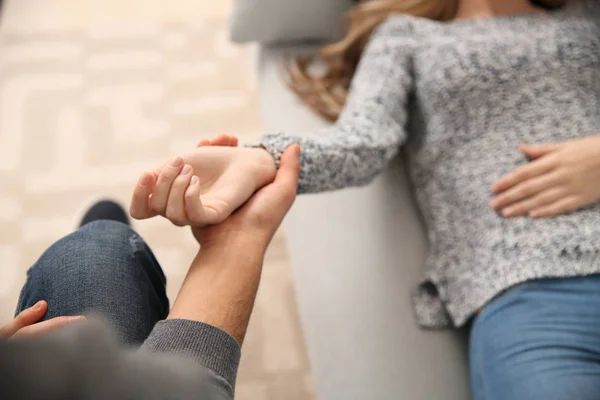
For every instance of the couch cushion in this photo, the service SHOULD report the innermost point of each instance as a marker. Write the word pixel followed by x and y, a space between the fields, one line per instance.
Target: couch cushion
pixel 281 21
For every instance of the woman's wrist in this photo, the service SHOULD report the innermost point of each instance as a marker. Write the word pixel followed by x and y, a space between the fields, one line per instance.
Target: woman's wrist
pixel 265 164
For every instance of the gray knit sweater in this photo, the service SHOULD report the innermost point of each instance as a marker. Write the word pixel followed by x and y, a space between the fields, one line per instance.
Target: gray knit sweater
pixel 180 360
pixel 461 97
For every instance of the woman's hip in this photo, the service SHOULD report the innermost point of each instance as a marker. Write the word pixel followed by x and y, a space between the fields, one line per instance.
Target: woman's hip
pixel 539 340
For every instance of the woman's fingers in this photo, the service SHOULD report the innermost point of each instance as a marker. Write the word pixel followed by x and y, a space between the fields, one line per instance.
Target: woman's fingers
pixel 541 199
pixel 533 151
pixel 47 326
pixel 531 170
pixel 140 200
pixel 193 206
pixel 198 214
pixel 160 196
pixel 27 317
pixel 175 210
pixel 558 207
pixel 525 190
pixel 195 211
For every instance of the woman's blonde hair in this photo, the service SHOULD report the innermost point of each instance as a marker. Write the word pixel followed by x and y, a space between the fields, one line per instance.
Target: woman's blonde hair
pixel 326 93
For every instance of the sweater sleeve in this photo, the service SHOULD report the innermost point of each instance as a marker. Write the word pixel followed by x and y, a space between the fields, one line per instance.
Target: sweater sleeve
pixel 207 345
pixel 370 129
pixel 86 362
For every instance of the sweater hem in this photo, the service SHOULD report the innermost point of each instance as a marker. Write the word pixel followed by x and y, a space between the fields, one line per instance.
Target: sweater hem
pixel 437 307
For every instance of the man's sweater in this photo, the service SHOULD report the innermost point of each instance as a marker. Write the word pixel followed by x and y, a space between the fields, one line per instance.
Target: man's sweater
pixel 461 97
pixel 181 360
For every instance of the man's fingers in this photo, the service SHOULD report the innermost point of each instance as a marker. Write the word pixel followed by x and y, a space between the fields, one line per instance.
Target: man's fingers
pixel 175 210
pixel 561 206
pixel 536 151
pixel 224 140
pixel 274 201
pixel 140 200
pixel 533 169
pixel 286 180
pixel 160 196
pixel 47 326
pixel 27 317
pixel 525 190
pixel 289 169
pixel 220 140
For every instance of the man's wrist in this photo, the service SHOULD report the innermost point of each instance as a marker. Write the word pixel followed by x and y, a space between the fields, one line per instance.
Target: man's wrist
pixel 221 284
pixel 234 241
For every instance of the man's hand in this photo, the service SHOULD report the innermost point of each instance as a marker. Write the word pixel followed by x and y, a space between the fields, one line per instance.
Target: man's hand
pixel 223 178
pixel 221 140
pixel 263 213
pixel 560 178
pixel 24 324
pixel 221 284
pixel 184 199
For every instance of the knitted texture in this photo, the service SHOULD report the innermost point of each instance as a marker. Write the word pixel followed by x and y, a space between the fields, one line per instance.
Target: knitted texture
pixel 460 97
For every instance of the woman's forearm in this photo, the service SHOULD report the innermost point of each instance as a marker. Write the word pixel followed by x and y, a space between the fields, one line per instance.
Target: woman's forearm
pixel 372 126
pixel 340 156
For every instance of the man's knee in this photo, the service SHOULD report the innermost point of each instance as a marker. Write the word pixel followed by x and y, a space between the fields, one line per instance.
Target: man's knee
pixel 97 248
pixel 105 233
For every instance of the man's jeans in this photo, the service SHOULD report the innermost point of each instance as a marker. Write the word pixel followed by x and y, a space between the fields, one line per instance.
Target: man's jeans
pixel 105 269
pixel 538 341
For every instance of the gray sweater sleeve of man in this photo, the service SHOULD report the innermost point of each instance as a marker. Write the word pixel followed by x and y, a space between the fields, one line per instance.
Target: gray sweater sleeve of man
pixel 181 360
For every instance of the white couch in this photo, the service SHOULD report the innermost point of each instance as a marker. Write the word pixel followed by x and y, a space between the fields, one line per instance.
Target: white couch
pixel 356 255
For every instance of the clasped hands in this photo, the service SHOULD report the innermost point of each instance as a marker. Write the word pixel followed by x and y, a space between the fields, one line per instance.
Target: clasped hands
pixel 221 190
pixel 226 194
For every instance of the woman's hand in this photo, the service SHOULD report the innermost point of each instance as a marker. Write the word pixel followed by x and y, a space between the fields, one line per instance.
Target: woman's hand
pixel 560 178
pixel 24 324
pixel 261 216
pixel 258 219
pixel 222 178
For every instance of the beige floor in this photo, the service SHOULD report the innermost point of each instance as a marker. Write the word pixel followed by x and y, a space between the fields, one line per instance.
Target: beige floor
pixel 92 92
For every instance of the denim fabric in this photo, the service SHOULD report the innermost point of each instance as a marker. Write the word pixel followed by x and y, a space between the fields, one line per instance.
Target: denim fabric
pixel 539 341
pixel 104 268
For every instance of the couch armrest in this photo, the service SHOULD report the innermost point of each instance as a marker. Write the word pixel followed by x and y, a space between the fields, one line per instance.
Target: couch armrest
pixel 287 21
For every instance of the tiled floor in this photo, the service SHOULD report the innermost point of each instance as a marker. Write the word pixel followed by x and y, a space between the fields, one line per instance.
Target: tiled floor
pixel 92 92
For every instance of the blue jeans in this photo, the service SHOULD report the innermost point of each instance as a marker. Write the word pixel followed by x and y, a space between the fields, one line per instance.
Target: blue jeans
pixel 539 341
pixel 104 268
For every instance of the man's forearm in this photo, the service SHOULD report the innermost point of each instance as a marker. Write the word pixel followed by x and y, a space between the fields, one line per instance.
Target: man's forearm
pixel 221 286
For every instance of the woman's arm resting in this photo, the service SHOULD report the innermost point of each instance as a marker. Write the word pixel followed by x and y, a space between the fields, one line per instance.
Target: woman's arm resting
pixel 371 128
pixel 560 178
